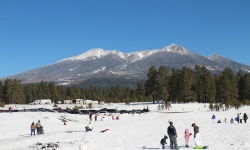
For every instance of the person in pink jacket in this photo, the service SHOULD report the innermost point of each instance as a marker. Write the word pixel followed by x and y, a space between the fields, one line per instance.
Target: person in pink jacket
pixel 186 136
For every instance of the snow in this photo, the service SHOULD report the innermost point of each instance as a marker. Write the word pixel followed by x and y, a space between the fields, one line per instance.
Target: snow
pixel 131 132
pixel 97 53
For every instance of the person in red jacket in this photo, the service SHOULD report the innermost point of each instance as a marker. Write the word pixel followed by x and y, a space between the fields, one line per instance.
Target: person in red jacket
pixel 95 117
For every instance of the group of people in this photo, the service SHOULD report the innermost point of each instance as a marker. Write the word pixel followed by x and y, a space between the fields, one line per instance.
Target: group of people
pixel 103 117
pixel 239 118
pixel 37 126
pixel 173 135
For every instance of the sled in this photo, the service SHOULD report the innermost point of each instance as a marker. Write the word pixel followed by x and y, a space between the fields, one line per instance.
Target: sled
pixel 200 147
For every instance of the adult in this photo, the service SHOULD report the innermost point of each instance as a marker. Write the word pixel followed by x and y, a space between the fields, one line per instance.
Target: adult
pixel 240 117
pixel 32 128
pixel 90 116
pixel 213 118
pixel 245 117
pixel 196 134
pixel 38 127
pixel 172 136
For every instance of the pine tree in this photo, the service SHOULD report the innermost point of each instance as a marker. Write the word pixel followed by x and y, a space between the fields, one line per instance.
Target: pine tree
pixel 151 83
pixel 228 86
pixel 140 92
pixel 187 85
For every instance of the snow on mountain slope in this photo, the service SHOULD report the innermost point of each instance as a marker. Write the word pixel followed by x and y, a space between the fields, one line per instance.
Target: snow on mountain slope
pixel 130 57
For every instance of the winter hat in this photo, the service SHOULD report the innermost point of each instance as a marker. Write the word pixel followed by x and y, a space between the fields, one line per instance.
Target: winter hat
pixel 186 130
pixel 165 136
pixel 170 120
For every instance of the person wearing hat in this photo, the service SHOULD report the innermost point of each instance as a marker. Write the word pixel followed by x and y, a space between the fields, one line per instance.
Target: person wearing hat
pixel 196 134
pixel 163 141
pixel 38 127
pixel 172 136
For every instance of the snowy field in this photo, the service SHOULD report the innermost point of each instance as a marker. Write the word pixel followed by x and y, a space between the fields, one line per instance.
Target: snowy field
pixel 128 133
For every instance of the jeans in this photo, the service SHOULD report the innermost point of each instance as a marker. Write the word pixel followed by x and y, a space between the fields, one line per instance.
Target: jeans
pixel 173 142
pixel 32 131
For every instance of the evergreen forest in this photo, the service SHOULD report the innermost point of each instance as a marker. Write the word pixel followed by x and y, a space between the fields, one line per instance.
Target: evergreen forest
pixel 176 86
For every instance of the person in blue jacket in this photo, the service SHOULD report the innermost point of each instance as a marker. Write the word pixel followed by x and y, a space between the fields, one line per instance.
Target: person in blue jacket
pixel 213 118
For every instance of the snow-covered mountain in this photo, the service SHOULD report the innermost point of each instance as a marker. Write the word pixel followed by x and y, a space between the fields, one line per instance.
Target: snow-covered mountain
pixel 100 67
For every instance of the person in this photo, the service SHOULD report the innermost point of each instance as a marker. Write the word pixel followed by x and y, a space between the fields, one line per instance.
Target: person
pixel 163 141
pixel 96 117
pixel 225 120
pixel 90 116
pixel 219 121
pixel 237 118
pixel 89 127
pixel 117 117
pixel 38 127
pixel 186 136
pixel 10 109
pixel 113 118
pixel 33 128
pixel 245 117
pixel 104 130
pixel 232 120
pixel 240 117
pixel 196 134
pixel 213 118
pixel 172 136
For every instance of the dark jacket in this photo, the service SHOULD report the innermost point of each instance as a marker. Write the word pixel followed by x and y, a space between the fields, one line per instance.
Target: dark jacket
pixel 171 130
pixel 245 116
pixel 163 141
pixel 196 130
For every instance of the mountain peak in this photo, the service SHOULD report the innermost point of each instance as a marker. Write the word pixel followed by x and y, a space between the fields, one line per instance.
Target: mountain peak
pixel 214 57
pixel 176 49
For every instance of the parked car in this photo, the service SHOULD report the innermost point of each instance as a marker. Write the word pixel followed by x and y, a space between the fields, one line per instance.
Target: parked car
pixel 112 111
pixel 93 111
pixel 84 111
pixel 123 111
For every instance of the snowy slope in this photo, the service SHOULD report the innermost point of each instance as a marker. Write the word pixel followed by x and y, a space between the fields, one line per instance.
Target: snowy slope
pixel 128 133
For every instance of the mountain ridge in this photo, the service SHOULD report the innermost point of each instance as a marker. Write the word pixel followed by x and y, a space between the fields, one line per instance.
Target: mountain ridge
pixel 98 63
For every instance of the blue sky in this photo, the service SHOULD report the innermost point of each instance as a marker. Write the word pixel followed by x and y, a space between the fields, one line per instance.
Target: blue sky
pixel 36 33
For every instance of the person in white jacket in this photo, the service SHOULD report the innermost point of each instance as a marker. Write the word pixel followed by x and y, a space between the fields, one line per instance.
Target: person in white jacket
pixel 89 127
pixel 240 117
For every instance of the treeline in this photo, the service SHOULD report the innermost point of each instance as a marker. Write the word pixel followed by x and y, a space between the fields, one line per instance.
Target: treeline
pixel 176 86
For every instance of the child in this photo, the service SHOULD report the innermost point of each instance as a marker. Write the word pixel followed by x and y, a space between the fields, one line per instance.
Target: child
pixel 186 136
pixel 104 130
pixel 163 141
pixel 232 120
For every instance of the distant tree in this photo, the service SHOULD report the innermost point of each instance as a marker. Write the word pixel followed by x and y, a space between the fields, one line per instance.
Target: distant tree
pixel 7 89
pixel 174 86
pixel 167 105
pixel 151 83
pixel 140 92
pixel 187 84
